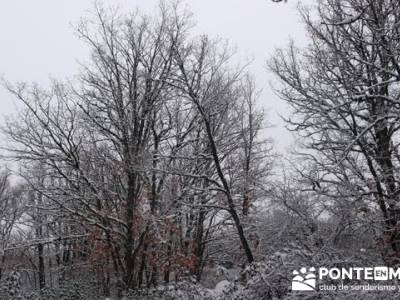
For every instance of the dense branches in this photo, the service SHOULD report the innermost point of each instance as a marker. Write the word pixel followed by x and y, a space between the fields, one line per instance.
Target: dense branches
pixel 344 93
pixel 146 155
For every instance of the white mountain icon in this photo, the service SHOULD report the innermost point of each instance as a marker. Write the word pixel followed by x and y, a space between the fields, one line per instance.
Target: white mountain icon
pixel 304 281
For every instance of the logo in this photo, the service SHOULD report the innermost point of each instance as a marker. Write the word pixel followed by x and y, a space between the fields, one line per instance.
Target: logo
pixel 304 280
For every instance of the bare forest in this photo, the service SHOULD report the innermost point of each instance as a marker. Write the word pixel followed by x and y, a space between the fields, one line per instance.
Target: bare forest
pixel 152 173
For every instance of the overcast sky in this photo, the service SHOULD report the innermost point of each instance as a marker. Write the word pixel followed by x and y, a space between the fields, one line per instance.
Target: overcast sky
pixel 38 41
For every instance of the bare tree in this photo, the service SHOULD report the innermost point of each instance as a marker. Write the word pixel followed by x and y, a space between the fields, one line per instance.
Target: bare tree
pixel 344 93
pixel 11 209
pixel 145 158
pixel 208 81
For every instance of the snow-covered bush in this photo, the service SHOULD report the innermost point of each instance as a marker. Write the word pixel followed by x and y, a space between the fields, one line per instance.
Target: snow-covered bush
pixel 260 280
pixel 69 290
pixel 184 290
pixel 11 287
pixel 271 277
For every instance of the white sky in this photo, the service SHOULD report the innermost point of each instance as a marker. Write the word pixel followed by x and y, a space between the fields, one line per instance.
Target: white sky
pixel 38 42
